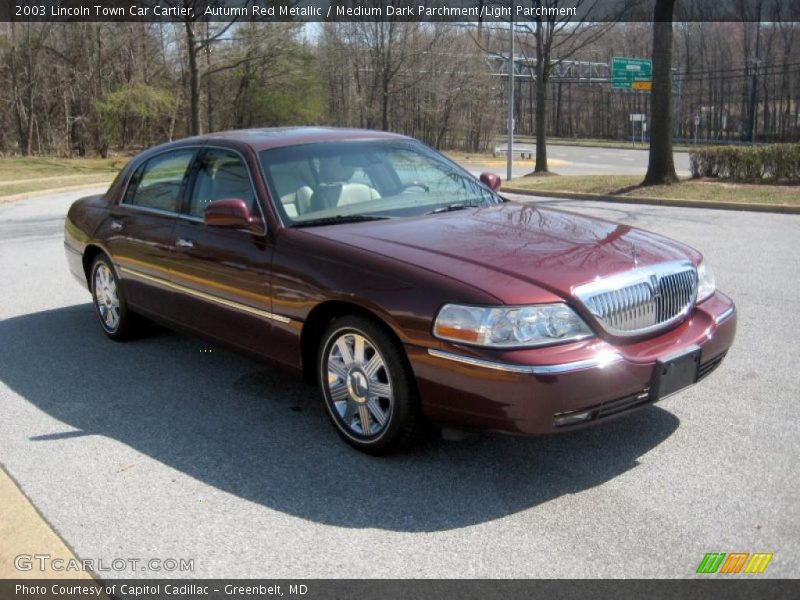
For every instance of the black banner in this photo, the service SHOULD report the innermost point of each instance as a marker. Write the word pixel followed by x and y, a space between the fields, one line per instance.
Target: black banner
pixel 472 11
pixel 731 587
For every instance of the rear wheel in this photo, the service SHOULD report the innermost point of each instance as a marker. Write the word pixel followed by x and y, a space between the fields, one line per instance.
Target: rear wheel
pixel 368 386
pixel 117 321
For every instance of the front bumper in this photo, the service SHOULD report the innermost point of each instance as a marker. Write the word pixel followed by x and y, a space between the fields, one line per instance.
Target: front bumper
pixel 535 391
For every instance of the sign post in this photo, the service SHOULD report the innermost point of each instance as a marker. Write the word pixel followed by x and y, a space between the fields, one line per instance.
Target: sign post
pixel 640 118
pixel 696 125
pixel 631 74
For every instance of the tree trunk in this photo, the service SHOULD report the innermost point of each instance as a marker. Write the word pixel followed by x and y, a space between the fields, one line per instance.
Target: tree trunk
pixel 541 124
pixel 385 99
pixel 194 81
pixel 542 74
pixel 661 166
pixel 209 103
pixel 22 130
pixel 29 92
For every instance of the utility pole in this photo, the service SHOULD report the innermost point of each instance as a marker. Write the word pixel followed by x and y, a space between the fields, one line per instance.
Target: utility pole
pixel 754 84
pixel 510 154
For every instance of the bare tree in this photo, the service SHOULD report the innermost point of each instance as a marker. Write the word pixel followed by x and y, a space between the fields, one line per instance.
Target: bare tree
pixel 69 88
pixel 195 44
pixel 24 65
pixel 661 165
pixel 556 37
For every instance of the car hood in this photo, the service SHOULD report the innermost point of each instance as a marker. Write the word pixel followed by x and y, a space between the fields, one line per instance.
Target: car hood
pixel 509 250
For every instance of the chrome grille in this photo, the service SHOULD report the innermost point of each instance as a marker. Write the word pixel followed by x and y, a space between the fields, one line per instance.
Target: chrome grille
pixel 642 300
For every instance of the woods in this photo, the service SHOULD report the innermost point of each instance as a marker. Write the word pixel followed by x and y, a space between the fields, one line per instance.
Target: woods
pixel 75 89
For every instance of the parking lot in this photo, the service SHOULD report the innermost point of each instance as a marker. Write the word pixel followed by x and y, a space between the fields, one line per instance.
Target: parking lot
pixel 171 447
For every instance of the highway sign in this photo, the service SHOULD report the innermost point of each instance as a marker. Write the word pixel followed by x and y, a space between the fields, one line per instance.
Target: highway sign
pixel 631 73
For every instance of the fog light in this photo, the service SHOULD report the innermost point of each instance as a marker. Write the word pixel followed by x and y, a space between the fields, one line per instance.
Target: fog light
pixel 565 419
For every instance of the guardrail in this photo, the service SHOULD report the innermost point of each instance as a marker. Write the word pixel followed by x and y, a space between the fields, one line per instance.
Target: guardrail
pixel 504 151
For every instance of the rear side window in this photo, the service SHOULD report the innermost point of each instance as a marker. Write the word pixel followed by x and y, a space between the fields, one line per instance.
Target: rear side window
pixel 221 175
pixel 158 183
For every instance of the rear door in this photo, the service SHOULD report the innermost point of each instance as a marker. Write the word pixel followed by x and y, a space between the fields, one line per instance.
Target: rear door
pixel 139 230
pixel 223 276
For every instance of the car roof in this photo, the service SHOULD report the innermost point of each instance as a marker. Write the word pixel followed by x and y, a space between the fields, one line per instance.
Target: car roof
pixel 277 137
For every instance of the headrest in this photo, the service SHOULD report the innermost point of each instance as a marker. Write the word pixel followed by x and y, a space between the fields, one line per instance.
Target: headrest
pixel 331 170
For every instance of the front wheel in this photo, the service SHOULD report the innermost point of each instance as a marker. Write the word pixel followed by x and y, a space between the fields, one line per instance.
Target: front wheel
pixel 368 386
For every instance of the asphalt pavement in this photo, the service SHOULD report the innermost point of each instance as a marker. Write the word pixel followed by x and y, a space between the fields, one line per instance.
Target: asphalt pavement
pixel 171 447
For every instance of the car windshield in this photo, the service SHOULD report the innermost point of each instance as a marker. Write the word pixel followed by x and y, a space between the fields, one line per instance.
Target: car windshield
pixel 331 182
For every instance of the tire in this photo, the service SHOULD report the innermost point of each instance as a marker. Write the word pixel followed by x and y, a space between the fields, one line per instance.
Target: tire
pixel 371 399
pixel 116 320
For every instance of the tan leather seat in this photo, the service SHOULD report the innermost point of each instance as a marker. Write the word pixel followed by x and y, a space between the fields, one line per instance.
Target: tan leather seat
pixel 335 188
pixel 292 182
pixel 297 202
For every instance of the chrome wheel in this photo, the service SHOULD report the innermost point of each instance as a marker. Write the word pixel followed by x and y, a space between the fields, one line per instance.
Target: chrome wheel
pixel 359 385
pixel 106 297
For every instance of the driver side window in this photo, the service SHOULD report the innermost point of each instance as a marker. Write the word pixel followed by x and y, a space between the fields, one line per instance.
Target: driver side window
pixel 221 175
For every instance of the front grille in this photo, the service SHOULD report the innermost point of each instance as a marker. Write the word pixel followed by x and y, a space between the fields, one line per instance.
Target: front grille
pixel 641 300
pixel 601 411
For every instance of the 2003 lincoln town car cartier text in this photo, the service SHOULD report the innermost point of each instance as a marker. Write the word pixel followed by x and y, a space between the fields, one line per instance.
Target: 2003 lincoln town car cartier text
pixel 406 288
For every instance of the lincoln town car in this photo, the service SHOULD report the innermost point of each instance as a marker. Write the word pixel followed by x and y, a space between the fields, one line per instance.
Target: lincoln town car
pixel 409 291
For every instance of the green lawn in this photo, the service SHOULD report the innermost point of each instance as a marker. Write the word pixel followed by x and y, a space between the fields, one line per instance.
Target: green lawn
pixel 687 189
pixel 35 174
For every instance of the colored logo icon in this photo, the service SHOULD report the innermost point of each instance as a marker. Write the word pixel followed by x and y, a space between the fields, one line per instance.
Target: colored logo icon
pixel 734 562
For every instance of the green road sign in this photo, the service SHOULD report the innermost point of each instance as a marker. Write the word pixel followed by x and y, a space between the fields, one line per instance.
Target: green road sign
pixel 631 73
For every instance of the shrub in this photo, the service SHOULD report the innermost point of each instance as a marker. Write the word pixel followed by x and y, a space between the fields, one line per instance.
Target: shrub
pixel 774 162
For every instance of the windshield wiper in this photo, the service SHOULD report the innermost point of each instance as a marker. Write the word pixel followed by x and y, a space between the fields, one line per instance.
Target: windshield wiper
pixel 450 208
pixel 338 219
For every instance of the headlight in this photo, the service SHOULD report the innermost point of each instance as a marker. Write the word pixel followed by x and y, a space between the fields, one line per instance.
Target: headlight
pixel 706 283
pixel 509 326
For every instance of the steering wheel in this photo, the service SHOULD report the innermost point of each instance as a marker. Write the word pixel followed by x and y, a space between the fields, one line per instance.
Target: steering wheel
pixel 414 184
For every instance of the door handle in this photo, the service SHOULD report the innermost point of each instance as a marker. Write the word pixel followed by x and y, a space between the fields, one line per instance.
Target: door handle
pixel 182 243
pixel 116 225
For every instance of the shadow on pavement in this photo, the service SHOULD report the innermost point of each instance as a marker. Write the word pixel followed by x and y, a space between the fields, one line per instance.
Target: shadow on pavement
pixel 262 435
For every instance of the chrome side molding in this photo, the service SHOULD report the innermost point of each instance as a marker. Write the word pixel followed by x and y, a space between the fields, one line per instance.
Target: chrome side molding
pixel 204 296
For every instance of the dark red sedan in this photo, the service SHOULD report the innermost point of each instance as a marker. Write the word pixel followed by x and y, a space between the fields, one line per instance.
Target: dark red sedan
pixel 406 288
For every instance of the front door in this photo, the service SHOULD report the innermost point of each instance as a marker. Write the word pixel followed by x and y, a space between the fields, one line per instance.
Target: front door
pixel 223 276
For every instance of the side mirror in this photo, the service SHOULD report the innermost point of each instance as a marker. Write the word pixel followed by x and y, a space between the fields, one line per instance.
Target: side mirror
pixel 232 213
pixel 491 181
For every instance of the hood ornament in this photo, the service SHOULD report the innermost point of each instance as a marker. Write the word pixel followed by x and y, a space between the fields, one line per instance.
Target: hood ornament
pixel 655 285
pixel 633 254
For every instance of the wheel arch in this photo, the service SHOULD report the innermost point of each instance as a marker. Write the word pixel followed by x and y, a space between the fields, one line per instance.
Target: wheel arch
pixel 91 252
pixel 318 320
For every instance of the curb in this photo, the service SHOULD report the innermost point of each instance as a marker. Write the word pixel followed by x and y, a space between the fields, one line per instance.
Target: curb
pixel 743 206
pixel 26 531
